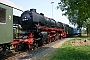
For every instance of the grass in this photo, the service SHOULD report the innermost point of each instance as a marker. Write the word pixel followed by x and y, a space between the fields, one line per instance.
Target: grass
pixel 69 52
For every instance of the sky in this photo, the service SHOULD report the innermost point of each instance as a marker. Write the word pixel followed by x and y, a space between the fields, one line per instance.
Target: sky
pixel 42 6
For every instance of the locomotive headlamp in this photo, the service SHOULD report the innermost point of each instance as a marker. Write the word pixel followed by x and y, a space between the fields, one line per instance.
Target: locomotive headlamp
pixel 25 16
pixel 22 19
pixel 25 19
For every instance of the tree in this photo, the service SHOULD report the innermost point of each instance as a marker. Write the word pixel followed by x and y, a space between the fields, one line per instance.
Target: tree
pixel 87 25
pixel 77 11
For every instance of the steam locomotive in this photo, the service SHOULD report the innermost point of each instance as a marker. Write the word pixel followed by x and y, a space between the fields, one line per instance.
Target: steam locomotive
pixel 38 29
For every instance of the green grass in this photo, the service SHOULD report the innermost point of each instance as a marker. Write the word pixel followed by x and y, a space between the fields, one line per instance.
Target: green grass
pixel 69 52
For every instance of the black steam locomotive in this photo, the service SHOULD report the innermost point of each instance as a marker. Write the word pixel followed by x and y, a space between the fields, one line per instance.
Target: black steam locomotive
pixel 38 29
pixel 41 28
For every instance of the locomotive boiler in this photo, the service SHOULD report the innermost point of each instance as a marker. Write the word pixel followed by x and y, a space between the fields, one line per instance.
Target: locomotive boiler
pixel 30 18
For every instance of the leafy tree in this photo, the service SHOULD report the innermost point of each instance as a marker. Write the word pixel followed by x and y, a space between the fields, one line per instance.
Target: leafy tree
pixel 87 25
pixel 77 11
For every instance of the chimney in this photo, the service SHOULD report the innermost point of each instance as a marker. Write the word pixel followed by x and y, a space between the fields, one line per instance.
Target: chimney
pixel 42 14
pixel 33 10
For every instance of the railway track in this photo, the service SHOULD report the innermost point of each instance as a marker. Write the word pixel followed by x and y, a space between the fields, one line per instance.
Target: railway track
pixel 36 54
